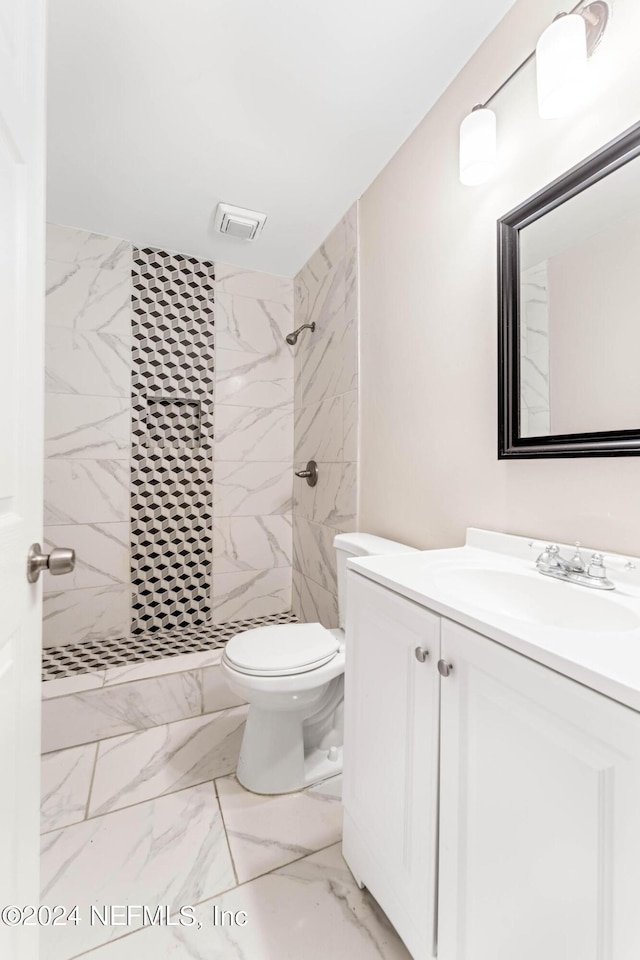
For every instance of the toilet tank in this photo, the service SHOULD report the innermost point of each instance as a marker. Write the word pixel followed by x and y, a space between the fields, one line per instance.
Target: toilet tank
pixel 360 545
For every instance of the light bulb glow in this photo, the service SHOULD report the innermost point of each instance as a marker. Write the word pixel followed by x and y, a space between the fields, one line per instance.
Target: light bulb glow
pixel 561 66
pixel 478 147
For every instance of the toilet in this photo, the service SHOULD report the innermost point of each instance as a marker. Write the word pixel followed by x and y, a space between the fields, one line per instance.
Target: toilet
pixel 292 677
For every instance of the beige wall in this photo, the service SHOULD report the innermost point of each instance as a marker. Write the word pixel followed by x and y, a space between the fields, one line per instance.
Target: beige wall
pixel 428 460
pixel 325 421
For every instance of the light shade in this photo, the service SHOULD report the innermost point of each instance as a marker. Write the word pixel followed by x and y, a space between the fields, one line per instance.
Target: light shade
pixel 478 146
pixel 561 65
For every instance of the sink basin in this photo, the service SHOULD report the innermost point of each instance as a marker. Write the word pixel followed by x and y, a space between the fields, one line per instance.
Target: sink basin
pixel 537 599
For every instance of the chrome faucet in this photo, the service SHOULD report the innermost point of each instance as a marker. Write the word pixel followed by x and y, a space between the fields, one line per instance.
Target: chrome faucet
pixel 594 574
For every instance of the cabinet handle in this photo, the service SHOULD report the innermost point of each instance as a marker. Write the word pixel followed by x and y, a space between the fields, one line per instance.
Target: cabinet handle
pixel 444 668
pixel 421 654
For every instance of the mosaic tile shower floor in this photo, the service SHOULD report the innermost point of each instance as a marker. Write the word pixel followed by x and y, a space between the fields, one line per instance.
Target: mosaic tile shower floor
pixel 68 661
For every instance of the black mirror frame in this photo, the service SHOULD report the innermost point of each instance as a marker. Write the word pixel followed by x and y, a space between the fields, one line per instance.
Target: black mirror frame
pixel 618 443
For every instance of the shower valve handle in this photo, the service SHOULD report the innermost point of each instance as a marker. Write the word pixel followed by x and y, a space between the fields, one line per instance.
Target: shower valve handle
pixel 310 474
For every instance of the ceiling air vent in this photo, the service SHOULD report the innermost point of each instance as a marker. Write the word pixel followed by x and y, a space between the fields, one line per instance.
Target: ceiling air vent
pixel 238 222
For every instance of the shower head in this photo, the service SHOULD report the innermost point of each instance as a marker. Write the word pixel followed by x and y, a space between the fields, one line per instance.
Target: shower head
pixel 292 338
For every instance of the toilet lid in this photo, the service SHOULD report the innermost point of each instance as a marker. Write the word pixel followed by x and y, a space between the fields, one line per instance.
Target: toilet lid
pixel 281 650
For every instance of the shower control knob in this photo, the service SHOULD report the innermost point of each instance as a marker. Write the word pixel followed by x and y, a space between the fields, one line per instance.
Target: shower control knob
pixel 60 560
pixel 421 654
pixel 310 474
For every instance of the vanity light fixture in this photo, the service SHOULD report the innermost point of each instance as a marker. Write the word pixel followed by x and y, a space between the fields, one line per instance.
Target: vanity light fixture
pixel 561 65
pixel 478 149
pixel 562 55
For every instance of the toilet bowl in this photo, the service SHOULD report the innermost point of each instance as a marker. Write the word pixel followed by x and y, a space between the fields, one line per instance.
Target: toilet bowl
pixel 292 677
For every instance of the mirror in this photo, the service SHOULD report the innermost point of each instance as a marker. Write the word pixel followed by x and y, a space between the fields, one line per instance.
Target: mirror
pixel 569 263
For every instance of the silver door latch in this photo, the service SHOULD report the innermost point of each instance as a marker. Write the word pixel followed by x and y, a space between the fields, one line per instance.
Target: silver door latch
pixel 60 560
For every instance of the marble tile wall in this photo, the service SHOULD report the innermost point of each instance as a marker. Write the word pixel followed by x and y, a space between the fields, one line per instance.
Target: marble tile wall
pixel 97 476
pixel 325 418
pixel 87 433
pixel 253 445
pixel 534 351
pixel 121 702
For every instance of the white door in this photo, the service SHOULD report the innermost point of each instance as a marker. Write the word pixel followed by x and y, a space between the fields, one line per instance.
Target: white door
pixel 391 756
pixel 22 151
pixel 539 813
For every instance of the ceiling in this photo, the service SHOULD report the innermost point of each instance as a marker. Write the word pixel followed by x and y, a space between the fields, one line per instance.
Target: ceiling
pixel 158 109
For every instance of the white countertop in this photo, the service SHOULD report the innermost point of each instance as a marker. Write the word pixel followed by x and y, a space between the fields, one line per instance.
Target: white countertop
pixel 608 662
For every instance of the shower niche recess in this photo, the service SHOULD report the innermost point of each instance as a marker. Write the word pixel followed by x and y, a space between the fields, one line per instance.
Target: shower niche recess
pixel 174 422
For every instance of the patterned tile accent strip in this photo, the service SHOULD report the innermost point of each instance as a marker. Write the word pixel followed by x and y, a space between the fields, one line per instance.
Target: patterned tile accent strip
pixel 68 661
pixel 172 436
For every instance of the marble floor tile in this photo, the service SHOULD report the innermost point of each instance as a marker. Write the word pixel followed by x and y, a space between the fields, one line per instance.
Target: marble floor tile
pixel 87 362
pixel 66 779
pixel 102 554
pixel 87 428
pixel 86 491
pixel 92 613
pixel 238 281
pixel 266 832
pixel 171 850
pixel 165 759
pixel 76 684
pixel 243 489
pixel 308 910
pixel 254 433
pixel 124 708
pixel 88 298
pixel 251 543
pixel 330 789
pixel 257 593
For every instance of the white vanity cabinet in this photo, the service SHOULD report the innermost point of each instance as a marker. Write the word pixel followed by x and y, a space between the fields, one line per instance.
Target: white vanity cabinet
pixel 391 756
pixel 527 780
pixel 539 812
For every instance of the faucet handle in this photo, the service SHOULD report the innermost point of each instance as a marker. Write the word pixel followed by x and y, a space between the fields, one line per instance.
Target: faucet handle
pixel 596 567
pixel 544 556
pixel 548 559
pixel 577 563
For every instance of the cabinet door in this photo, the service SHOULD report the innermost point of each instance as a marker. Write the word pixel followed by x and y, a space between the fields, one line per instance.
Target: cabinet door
pixel 391 756
pixel 539 814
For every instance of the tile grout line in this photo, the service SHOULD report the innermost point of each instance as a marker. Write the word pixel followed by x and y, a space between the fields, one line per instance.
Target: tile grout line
pixel 268 873
pixel 130 733
pixel 221 893
pixel 124 683
pixel 224 827
pixel 334 593
pixel 93 776
pixel 130 806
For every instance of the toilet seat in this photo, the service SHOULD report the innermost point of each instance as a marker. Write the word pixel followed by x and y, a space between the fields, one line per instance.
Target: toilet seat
pixel 282 650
